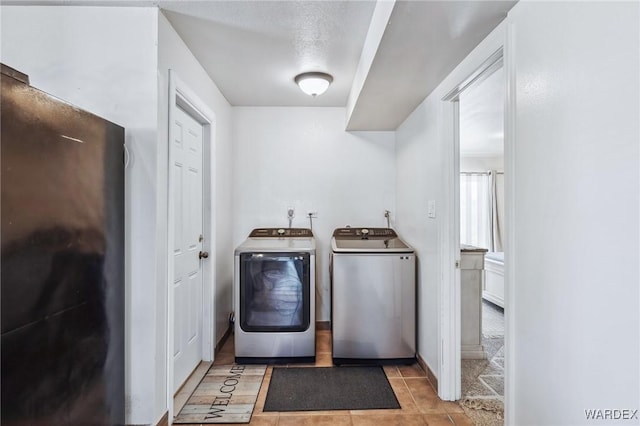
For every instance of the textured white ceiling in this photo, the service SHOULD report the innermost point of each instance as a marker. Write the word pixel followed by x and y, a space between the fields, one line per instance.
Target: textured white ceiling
pixel 254 49
pixel 482 117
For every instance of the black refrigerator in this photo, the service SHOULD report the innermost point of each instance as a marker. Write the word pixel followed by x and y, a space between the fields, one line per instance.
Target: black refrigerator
pixel 62 261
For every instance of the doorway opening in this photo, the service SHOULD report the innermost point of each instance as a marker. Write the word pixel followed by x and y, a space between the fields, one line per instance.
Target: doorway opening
pixel 476 108
pixel 481 183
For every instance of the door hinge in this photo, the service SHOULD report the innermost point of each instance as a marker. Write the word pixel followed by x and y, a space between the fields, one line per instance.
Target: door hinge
pixel 457 264
pixel 200 238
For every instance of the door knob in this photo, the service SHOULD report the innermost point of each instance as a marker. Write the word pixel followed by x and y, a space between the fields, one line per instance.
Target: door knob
pixel 203 255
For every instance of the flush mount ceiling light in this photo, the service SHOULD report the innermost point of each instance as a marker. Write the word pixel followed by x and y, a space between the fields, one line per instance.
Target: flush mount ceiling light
pixel 313 83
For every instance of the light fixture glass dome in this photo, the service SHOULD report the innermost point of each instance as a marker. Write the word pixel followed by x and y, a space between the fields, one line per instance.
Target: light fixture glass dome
pixel 313 83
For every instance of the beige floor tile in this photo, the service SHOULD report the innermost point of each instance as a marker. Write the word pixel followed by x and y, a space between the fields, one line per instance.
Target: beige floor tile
pixel 460 419
pixel 437 420
pixel 324 359
pixel 420 388
pixel 388 420
pixel 452 407
pixel 391 371
pixel 257 411
pixel 425 397
pixel 225 358
pixel 431 406
pixel 264 420
pixel 310 420
pixel 323 341
pixel 256 421
pixel 269 371
pixel 228 345
pixel 264 387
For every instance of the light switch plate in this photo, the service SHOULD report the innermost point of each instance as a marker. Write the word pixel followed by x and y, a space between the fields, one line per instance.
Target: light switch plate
pixel 431 209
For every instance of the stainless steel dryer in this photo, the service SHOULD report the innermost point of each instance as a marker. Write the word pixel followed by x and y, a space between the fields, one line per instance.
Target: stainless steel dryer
pixel 373 296
pixel 274 296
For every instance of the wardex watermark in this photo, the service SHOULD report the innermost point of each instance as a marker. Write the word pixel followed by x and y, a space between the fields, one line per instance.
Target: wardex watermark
pixel 611 414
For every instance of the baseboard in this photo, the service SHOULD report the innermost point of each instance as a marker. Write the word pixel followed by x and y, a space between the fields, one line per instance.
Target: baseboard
pixel 472 352
pixel 223 340
pixel 164 421
pixel 323 325
pixel 430 376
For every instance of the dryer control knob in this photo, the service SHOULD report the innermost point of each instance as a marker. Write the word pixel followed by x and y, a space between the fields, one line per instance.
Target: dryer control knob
pixel 280 231
pixel 365 231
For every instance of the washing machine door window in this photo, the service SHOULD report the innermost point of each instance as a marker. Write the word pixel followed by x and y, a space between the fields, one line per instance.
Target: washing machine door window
pixel 274 292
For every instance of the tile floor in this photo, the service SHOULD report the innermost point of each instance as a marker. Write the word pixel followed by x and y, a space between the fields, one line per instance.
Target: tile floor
pixel 419 402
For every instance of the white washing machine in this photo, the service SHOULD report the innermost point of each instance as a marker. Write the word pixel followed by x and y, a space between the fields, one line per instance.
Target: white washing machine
pixel 373 297
pixel 274 296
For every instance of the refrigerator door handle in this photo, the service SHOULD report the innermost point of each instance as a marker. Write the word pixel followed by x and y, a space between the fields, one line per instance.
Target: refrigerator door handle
pixel 127 156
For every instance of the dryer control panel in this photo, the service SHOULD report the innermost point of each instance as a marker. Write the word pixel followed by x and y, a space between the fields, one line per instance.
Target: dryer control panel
pixel 281 232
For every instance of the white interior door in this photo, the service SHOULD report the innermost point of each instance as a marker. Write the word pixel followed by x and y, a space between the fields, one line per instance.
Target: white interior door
pixel 187 279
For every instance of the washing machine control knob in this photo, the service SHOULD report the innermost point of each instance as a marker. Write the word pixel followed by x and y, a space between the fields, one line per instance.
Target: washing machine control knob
pixel 280 231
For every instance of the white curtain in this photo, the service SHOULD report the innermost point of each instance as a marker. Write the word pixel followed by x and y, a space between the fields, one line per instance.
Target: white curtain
pixel 481 207
pixel 496 185
pixel 474 209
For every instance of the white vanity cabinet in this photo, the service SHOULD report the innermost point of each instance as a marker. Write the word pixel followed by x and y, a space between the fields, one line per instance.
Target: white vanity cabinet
pixel 471 278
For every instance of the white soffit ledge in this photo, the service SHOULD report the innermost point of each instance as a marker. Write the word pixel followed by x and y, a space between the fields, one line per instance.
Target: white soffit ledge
pixel 422 42
pixel 377 27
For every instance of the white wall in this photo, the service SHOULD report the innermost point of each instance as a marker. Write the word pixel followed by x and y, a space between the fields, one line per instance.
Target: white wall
pixel 576 177
pixel 419 179
pixel 302 157
pixel 174 54
pixel 573 309
pixel 424 162
pixel 105 61
pixel 481 164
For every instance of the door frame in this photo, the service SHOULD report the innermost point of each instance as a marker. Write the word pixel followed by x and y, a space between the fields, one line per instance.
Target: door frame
pixel 181 95
pixel 449 383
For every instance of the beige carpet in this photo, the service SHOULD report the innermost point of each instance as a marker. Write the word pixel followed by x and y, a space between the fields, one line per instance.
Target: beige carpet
pixel 483 380
pixel 484 412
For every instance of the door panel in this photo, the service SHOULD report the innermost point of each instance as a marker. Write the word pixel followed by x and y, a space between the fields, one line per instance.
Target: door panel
pixel 187 166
